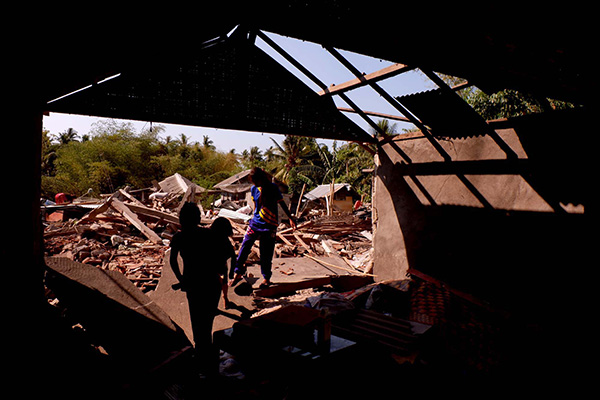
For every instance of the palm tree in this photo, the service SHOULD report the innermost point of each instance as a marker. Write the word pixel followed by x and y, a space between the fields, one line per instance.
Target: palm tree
pixel 252 158
pixel 184 140
pixel 330 162
pixel 70 135
pixel 294 162
pixel 269 154
pixel 184 147
pixel 208 143
pixel 385 126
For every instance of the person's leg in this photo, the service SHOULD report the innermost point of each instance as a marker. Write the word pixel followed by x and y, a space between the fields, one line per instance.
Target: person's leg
pixel 201 330
pixel 203 308
pixel 267 248
pixel 240 269
pixel 225 291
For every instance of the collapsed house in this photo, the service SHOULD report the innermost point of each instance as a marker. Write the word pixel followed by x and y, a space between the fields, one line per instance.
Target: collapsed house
pixel 236 187
pixel 176 185
pixel 494 210
pixel 343 194
pixel 236 200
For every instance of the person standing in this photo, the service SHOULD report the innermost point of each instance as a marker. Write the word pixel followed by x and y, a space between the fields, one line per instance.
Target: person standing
pixel 262 226
pixel 222 230
pixel 203 265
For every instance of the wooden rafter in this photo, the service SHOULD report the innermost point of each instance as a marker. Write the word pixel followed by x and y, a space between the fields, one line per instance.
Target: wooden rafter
pixel 316 80
pixel 377 114
pixel 364 80
pixel 393 102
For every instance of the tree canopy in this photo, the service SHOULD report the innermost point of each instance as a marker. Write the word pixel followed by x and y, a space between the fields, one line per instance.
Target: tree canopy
pixel 113 155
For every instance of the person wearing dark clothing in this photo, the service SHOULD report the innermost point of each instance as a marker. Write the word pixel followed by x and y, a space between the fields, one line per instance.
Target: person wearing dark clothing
pixel 203 265
pixel 262 226
pixel 221 229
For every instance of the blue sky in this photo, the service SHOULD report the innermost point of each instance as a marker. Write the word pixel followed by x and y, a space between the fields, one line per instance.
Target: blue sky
pixel 315 59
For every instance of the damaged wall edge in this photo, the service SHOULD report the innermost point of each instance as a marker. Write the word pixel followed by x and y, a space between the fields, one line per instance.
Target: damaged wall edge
pixel 471 220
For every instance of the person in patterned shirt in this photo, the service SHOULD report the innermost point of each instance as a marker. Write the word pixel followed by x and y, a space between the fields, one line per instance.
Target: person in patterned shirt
pixel 262 226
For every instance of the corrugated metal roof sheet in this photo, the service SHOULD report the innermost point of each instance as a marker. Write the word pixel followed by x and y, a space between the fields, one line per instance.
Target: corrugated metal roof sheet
pixel 324 190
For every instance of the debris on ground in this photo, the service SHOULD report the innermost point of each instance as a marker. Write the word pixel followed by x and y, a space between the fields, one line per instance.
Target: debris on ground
pixel 325 265
pixel 129 231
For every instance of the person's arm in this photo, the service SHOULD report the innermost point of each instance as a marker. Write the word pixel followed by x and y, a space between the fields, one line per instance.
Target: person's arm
pixel 174 262
pixel 287 212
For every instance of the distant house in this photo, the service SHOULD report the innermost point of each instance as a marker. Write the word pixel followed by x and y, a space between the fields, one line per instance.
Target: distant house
pixel 343 198
pixel 237 186
pixel 178 184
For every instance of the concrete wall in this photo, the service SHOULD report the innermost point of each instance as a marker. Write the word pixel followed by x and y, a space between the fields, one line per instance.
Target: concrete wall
pixel 493 215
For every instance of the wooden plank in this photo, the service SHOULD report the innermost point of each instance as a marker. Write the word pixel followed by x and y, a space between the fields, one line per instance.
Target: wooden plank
pixel 300 200
pixel 135 221
pixel 152 212
pixel 130 197
pixel 336 266
pixel 287 287
pixel 188 196
pixel 377 114
pixel 298 227
pixel 376 76
pixel 99 210
pixel 284 240
pixel 299 239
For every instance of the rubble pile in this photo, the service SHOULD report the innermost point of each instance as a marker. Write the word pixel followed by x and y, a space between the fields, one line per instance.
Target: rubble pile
pixel 111 246
pixel 345 236
pixel 129 231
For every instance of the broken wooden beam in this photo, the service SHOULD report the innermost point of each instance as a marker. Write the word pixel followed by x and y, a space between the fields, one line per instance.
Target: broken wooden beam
pixel 350 271
pixel 289 287
pixel 302 243
pixel 284 240
pixel 98 210
pixel 154 213
pixel 130 197
pixel 135 221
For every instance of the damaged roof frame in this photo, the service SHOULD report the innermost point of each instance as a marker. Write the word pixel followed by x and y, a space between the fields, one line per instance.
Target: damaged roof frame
pixel 228 83
pixel 111 101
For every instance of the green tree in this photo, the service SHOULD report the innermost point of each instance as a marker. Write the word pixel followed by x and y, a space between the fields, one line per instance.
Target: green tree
pixel 113 157
pixel 354 164
pixel 208 143
pixel 329 163
pixel 252 158
pixel 70 135
pixel 48 154
pixel 389 129
pixel 505 103
pixel 293 161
